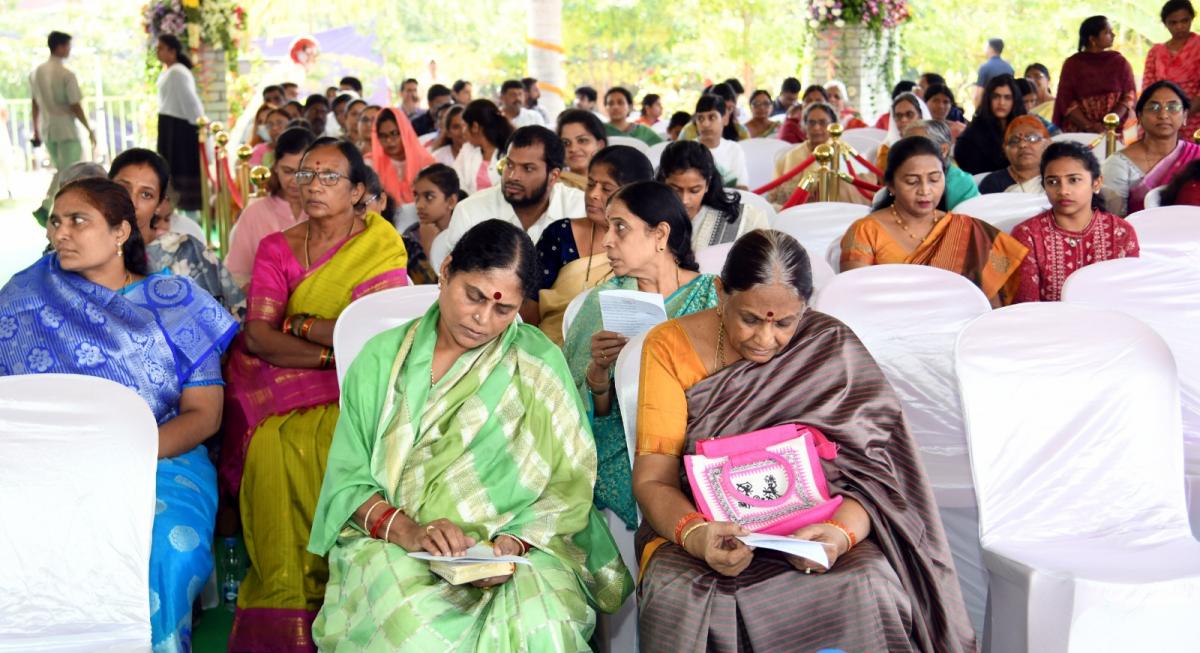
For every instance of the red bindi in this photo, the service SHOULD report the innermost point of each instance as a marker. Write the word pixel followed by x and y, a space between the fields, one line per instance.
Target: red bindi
pixel 770 313
pixel 496 295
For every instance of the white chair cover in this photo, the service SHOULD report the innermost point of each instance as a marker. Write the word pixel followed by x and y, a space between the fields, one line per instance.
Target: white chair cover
pixel 184 225
pixel 909 317
pixel 1154 198
pixel 822 272
pixel 1004 210
pixel 654 153
pixel 406 216
pixel 439 249
pixel 426 139
pixel 1072 417
pixel 622 627
pixel 373 314
pixel 1169 232
pixel 630 141
pixel 626 375
pixel 712 258
pixel 833 255
pixel 572 310
pixel 816 224
pixel 78 456
pixel 759 202
pixel 979 176
pixel 864 140
pixel 1166 296
pixel 760 158
pixel 1096 141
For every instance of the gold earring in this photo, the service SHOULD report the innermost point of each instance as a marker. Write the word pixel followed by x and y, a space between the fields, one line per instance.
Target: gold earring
pixel 120 252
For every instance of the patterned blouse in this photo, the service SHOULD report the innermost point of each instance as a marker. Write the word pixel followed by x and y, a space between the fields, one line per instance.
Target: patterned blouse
pixel 1055 253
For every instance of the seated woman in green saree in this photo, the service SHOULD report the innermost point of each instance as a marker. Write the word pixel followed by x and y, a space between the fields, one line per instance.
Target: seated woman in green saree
pixel 461 427
pixel 649 245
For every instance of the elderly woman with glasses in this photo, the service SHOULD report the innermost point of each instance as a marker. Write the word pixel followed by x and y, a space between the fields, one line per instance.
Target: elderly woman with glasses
pixel 1025 139
pixel 282 399
pixel 1152 160
pixel 818 116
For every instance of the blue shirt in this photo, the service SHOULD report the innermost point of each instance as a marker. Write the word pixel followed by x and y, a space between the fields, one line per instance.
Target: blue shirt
pixel 993 67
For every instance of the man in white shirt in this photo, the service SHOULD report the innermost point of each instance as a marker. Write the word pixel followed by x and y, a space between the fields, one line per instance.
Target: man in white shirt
pixel 529 194
pixel 512 103
pixel 56 107
pixel 728 155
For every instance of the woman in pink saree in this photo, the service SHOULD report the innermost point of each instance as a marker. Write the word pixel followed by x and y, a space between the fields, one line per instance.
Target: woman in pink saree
pixel 282 398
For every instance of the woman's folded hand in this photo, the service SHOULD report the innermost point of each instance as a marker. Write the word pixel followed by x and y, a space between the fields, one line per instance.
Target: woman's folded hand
pixel 440 537
pixel 830 537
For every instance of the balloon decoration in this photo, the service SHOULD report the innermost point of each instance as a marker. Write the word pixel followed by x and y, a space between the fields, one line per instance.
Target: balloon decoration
pixel 305 51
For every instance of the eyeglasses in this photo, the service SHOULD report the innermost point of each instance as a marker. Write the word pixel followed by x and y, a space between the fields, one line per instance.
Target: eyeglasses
pixel 1031 139
pixel 816 124
pixel 760 104
pixel 389 136
pixel 1173 106
pixel 328 178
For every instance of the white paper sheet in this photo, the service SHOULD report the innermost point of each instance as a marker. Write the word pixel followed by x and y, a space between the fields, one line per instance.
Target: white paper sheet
pixel 631 312
pixel 477 553
pixel 807 549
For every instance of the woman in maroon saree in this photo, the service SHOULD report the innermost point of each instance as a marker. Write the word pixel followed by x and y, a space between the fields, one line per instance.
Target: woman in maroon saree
pixel 1094 82
pixel 764 359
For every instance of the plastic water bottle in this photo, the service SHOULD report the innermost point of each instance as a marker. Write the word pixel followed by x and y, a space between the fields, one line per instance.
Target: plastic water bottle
pixel 231 576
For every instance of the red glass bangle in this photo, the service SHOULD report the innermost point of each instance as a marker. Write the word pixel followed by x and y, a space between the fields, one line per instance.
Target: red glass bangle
pixel 682 524
pixel 382 518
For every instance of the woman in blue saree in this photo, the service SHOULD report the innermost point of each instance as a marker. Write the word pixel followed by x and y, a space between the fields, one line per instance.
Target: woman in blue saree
pixel 90 307
pixel 649 245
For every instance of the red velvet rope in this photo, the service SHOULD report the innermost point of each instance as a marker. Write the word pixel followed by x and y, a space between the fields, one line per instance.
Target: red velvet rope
pixel 798 197
pixel 233 188
pixel 785 177
pixel 870 166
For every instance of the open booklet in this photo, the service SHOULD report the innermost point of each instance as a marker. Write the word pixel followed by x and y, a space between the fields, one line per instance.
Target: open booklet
pixel 631 312
pixel 807 549
pixel 477 553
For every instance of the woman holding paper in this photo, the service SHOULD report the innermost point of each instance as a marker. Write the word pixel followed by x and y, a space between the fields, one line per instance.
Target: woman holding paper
pixel 648 244
pixel 456 428
pixel 762 358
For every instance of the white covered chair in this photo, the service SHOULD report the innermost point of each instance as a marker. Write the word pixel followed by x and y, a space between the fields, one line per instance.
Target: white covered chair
pixel 621 628
pixel 822 272
pixel 909 317
pixel 1154 198
pixel 759 202
pixel 865 140
pixel 406 216
pixel 1072 417
pixel 439 249
pixel 760 158
pixel 630 141
pixel 78 456
pixel 979 177
pixel 654 153
pixel 1004 210
pixel 373 314
pixel 572 311
pixel 712 258
pixel 1169 232
pixel 816 224
pixel 1166 296
pixel 184 225
pixel 1087 139
pixel 833 255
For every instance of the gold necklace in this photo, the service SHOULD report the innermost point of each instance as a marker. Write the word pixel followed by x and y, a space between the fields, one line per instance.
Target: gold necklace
pixel 896 215
pixel 587 274
pixel 308 231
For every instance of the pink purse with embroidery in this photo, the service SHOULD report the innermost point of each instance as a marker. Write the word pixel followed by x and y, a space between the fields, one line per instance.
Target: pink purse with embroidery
pixel 768 481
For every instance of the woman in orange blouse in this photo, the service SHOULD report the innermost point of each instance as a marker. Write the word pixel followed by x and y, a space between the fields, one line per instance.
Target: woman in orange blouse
pixel 911 226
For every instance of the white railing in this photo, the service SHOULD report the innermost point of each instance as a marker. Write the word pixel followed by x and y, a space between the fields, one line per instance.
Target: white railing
pixel 119 123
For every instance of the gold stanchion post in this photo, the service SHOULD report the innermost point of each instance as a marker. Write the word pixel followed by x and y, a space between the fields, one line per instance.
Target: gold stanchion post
pixel 243 173
pixel 839 150
pixel 260 175
pixel 1111 123
pixel 826 178
pixel 224 196
pixel 205 190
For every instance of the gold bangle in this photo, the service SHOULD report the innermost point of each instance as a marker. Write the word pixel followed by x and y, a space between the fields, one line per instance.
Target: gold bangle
pixel 850 539
pixel 367 518
pixel 690 529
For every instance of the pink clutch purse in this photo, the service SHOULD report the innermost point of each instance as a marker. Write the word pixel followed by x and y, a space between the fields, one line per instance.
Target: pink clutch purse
pixel 768 481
